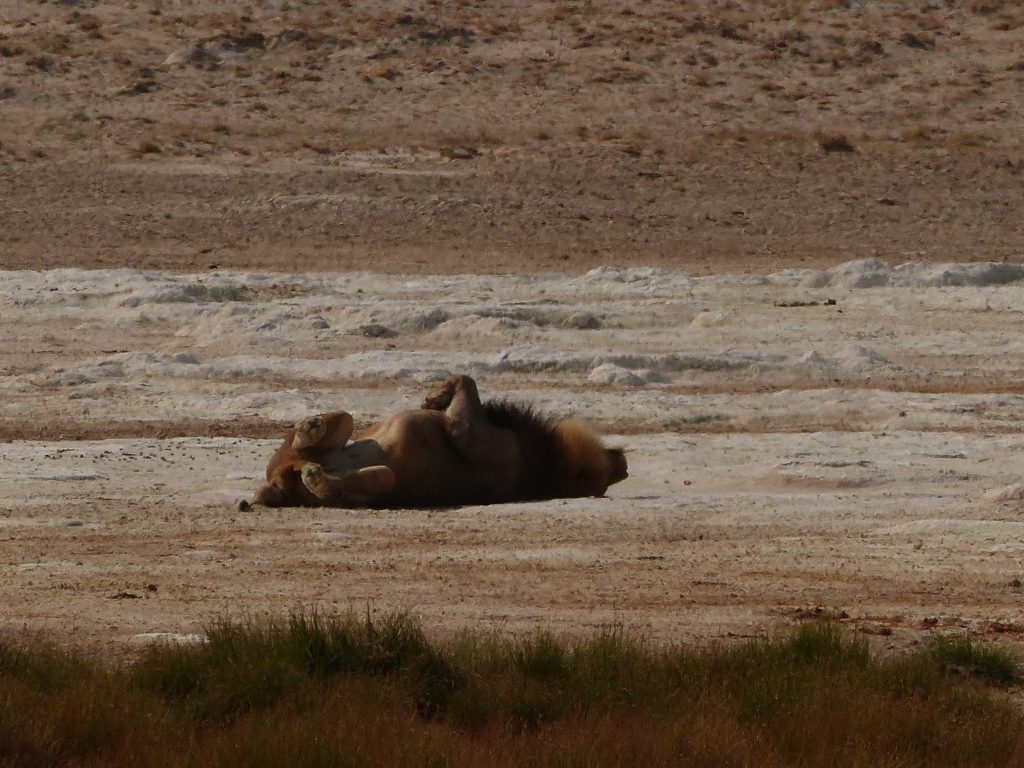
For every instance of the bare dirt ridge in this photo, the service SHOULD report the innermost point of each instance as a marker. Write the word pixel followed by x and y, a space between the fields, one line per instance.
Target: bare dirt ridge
pixel 472 137
pixel 216 219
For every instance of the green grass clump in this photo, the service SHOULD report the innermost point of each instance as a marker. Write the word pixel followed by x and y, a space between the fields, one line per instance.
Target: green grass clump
pixel 253 665
pixel 987 662
pixel 42 664
pixel 310 690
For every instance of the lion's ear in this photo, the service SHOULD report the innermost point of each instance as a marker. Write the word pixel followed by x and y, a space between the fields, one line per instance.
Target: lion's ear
pixel 617 465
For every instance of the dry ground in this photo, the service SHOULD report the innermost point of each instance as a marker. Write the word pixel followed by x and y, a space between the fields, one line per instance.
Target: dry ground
pixel 481 138
pixel 799 446
pixel 477 136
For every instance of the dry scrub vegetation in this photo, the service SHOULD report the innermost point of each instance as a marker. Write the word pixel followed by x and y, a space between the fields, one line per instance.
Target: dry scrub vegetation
pixel 195 78
pixel 439 136
pixel 328 691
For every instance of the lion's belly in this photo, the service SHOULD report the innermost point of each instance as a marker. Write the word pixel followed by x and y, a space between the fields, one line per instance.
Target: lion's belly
pixel 355 456
pixel 416 447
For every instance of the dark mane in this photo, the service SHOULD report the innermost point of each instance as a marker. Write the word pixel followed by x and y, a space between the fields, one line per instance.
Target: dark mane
pixel 518 417
pixel 538 446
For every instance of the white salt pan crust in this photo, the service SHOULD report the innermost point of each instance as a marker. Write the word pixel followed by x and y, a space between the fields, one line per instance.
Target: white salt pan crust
pixel 849 437
pixel 134 344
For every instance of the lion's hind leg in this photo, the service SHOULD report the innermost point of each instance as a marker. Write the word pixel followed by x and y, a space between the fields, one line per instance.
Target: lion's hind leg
pixel 324 432
pixel 364 487
pixel 491 451
pixel 465 419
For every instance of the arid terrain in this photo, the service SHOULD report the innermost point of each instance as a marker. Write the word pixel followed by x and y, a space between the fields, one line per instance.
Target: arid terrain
pixel 682 220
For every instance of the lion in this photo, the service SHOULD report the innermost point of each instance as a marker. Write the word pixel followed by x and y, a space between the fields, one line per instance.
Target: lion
pixel 453 450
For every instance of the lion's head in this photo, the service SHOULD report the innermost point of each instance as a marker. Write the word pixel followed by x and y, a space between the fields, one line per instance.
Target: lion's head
pixel 588 467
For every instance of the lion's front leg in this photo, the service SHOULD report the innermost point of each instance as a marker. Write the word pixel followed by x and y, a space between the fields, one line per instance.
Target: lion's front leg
pixel 364 487
pixel 323 433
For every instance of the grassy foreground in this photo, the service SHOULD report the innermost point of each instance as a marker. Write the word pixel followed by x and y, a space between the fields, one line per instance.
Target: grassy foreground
pixel 317 691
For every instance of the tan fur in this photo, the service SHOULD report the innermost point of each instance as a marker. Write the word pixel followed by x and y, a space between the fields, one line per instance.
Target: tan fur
pixel 452 451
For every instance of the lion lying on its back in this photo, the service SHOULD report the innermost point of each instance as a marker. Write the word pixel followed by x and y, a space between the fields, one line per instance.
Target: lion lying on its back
pixel 454 450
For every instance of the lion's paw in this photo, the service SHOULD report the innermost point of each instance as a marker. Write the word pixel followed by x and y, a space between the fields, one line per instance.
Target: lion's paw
pixel 312 476
pixel 440 397
pixel 309 432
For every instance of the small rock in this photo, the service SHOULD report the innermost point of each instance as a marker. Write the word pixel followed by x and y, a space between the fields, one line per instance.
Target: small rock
pixel 376 331
pixel 1004 627
pixel 609 373
pixel 459 153
pixel 876 628
pixel 175 638
pixel 198 55
pixel 1013 492
pixel 709 319
pixel 428 321
pixel 138 87
pixel 651 376
pixel 585 321
pixel 71 379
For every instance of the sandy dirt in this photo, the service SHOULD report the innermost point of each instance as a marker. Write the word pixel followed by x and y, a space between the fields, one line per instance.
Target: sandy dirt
pixel 841 442
pixel 216 219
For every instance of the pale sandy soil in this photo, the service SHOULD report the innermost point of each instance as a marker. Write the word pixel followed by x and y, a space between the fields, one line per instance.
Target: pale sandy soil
pixel 843 442
pixel 335 204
